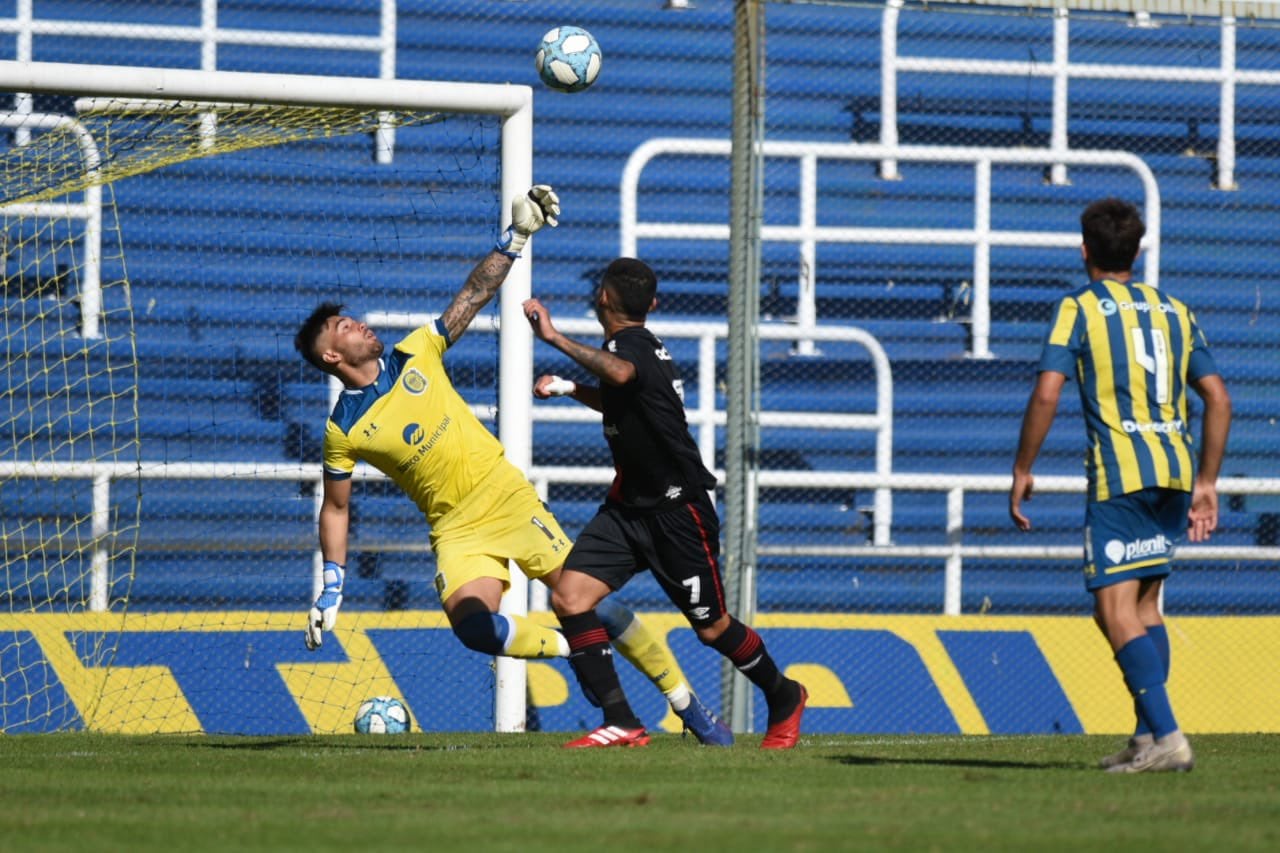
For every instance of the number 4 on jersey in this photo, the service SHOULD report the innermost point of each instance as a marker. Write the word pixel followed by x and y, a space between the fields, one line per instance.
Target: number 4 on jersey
pixel 1156 363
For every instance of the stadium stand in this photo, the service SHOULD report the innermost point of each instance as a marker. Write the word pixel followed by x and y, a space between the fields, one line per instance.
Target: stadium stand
pixel 220 380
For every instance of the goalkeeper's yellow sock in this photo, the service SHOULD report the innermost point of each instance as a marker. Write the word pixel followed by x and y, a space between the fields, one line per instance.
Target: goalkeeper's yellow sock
pixel 528 639
pixel 655 660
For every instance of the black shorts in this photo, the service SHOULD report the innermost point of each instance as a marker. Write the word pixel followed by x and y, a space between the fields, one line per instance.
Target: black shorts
pixel 680 546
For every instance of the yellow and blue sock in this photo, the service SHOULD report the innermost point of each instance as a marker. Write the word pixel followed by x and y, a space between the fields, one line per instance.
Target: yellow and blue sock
pixel 510 635
pixel 641 648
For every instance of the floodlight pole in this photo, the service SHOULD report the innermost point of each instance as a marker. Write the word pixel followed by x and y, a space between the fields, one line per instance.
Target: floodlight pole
pixel 743 369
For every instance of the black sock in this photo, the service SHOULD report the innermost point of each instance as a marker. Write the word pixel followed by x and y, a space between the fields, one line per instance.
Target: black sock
pixel 591 657
pixel 743 646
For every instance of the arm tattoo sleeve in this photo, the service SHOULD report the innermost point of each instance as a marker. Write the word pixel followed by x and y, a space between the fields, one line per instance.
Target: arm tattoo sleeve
pixel 479 288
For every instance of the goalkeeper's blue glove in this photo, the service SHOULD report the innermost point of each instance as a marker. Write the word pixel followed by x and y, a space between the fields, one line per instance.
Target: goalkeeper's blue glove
pixel 529 212
pixel 324 613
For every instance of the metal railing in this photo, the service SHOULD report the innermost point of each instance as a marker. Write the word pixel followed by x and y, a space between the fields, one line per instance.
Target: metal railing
pixel 89 210
pixel 706 416
pixel 952 551
pixel 1061 70
pixel 807 233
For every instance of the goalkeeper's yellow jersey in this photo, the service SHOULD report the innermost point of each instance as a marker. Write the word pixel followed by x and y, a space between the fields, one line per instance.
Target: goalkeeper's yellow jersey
pixel 414 427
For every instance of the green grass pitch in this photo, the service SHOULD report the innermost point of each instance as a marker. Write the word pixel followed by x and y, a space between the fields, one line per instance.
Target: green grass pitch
pixel 490 792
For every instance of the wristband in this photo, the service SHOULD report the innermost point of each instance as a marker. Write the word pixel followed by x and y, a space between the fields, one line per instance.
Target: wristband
pixel 558 387
pixel 511 242
pixel 333 575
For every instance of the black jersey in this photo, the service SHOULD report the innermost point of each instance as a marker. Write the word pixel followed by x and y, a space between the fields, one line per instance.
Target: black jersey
pixel 657 462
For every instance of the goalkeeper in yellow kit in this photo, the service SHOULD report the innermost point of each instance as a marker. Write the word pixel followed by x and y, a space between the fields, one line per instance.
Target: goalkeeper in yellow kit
pixel 400 413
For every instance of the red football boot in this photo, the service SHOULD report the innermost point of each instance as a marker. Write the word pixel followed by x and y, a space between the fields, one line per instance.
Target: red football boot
pixel 610 736
pixel 784 733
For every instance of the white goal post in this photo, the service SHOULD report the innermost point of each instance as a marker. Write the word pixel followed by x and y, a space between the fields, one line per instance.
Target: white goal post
pixel 512 103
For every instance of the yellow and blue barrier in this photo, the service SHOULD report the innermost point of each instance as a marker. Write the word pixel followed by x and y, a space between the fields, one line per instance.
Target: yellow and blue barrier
pixel 248 672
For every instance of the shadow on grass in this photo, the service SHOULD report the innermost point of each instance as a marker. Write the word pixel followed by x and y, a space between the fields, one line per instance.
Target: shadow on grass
pixel 390 744
pixel 983 763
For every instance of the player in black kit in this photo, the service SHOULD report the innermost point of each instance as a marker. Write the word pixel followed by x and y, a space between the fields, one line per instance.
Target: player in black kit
pixel 657 516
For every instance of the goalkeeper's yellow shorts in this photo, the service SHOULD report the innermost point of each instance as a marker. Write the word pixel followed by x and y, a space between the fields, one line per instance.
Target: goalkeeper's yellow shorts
pixel 502 519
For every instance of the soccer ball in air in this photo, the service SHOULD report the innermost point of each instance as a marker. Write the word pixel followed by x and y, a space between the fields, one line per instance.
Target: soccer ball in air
pixel 382 715
pixel 568 59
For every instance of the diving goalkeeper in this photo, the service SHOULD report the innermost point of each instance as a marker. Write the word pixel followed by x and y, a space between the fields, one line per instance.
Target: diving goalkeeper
pixel 400 413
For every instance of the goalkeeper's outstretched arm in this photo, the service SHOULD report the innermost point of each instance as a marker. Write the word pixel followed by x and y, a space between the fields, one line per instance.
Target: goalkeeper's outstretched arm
pixel 479 288
pixel 529 212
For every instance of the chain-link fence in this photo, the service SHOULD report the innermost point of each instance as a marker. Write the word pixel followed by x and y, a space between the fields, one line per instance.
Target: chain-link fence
pixel 952 247
pixel 924 170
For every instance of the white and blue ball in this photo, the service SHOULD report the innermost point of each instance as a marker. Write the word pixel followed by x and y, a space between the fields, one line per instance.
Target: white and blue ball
pixel 382 715
pixel 568 59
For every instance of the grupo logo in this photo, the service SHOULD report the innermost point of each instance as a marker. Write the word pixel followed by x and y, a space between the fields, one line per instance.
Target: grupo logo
pixel 1107 307
pixel 413 381
pixel 413 434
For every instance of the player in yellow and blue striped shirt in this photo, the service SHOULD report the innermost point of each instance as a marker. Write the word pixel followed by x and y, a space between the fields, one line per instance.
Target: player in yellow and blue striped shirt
pixel 400 413
pixel 1134 351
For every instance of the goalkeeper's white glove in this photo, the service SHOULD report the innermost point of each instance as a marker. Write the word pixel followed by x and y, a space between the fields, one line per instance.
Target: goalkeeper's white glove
pixel 324 613
pixel 529 212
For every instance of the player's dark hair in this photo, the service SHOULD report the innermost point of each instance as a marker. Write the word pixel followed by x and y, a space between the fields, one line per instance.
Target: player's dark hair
pixel 305 341
pixel 1112 231
pixel 633 283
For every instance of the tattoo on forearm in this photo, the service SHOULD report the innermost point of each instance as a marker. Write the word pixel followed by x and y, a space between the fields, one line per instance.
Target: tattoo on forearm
pixel 479 288
pixel 599 362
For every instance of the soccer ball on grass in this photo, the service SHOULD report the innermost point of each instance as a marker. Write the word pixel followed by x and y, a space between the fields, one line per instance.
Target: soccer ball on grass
pixel 382 715
pixel 568 59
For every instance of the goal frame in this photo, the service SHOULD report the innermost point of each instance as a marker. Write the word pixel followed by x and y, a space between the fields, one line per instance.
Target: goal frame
pixel 513 104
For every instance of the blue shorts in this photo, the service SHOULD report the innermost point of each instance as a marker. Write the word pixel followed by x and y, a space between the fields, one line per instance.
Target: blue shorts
pixel 1133 536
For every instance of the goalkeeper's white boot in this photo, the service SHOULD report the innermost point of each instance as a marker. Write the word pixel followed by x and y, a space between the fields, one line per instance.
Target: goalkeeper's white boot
pixel 1173 753
pixel 1136 744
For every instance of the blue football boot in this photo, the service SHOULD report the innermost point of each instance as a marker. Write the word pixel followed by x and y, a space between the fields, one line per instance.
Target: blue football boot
pixel 706 726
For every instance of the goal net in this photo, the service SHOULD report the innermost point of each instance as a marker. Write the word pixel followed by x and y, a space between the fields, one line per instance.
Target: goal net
pixel 159 476
pixel 70 397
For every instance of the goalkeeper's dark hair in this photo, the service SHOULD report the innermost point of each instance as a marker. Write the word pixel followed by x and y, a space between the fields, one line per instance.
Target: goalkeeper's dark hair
pixel 1112 231
pixel 305 341
pixel 635 285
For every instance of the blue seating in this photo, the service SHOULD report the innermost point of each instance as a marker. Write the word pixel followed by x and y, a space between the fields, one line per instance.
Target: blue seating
pixel 222 277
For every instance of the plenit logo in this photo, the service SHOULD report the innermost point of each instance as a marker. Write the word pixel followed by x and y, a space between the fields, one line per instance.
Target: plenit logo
pixel 413 434
pixel 1136 549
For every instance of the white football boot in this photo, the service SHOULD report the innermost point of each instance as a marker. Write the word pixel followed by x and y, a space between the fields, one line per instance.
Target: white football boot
pixel 1171 754
pixel 1136 744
